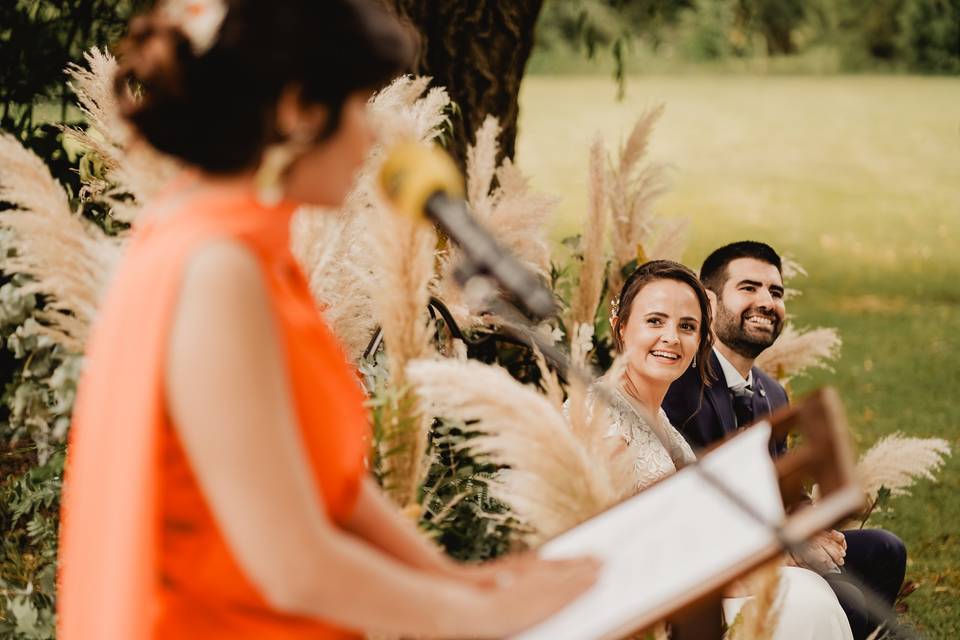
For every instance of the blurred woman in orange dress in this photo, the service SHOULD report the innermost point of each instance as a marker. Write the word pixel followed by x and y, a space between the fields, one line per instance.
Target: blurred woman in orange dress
pixel 216 483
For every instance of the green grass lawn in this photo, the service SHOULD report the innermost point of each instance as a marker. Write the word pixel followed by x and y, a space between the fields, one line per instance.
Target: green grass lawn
pixel 856 177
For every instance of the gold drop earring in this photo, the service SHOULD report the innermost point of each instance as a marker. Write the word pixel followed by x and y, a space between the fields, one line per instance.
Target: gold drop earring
pixel 277 160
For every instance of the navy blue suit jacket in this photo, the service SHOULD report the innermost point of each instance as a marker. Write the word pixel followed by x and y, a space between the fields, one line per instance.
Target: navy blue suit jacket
pixel 704 413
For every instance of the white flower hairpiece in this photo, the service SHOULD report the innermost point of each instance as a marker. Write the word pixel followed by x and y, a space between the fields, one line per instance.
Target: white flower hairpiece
pixel 199 20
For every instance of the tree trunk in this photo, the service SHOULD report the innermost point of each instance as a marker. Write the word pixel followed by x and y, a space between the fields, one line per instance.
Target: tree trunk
pixel 778 19
pixel 478 50
pixel 779 40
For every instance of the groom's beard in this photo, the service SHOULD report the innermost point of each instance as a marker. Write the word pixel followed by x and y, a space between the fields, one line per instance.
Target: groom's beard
pixel 743 337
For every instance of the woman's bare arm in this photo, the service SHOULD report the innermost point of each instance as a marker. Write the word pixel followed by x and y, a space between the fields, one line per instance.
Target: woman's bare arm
pixel 229 397
pixel 379 522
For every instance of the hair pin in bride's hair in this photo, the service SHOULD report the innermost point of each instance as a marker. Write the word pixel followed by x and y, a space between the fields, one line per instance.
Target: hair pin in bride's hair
pixel 199 20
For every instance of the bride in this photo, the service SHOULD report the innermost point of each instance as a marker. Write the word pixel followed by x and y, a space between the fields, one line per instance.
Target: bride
pixel 661 324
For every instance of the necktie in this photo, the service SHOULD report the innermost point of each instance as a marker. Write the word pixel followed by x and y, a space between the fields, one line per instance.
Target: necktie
pixel 743 405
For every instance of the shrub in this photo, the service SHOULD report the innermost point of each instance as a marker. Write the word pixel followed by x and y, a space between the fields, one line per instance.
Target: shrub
pixel 929 36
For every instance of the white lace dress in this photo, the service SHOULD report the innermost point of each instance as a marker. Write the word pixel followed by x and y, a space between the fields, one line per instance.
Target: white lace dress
pixel 659 449
pixel 809 610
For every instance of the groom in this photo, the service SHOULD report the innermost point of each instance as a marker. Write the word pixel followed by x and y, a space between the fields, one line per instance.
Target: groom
pixel 745 283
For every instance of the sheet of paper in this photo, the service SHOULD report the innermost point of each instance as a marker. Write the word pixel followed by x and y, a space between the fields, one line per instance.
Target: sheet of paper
pixel 669 538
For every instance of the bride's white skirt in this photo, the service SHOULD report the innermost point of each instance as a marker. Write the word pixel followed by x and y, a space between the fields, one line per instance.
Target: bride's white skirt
pixel 808 608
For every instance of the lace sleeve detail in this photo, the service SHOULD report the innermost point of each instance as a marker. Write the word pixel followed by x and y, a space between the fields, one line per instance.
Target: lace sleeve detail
pixel 651 461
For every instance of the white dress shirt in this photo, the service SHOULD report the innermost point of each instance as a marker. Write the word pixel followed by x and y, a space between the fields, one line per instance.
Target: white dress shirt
pixel 735 381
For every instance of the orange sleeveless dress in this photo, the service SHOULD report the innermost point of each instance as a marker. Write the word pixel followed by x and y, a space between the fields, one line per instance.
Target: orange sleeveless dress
pixel 141 555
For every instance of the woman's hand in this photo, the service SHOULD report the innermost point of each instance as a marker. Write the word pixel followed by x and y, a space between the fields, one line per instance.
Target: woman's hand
pixel 529 590
pixel 834 544
pixel 495 573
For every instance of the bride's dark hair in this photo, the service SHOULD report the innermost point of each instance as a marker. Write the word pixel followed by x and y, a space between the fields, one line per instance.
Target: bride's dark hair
pixel 214 110
pixel 667 270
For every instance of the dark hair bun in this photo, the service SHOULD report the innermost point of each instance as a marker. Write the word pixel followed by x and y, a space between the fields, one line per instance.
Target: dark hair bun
pixel 215 110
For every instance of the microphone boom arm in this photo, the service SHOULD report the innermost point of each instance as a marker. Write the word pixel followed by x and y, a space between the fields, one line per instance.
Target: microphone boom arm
pixel 483 256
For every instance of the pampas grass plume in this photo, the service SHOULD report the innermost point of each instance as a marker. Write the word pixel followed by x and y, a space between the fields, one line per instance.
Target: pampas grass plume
pixel 482 165
pixel 796 351
pixel 369 266
pixel 340 251
pixel 66 257
pixel 897 462
pixel 670 240
pixel 633 189
pixel 132 166
pixel 519 217
pixel 586 297
pixel 759 617
pixel 554 480
pixel 499 197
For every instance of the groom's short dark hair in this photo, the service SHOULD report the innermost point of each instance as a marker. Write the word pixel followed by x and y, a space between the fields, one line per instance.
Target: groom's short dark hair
pixel 713 273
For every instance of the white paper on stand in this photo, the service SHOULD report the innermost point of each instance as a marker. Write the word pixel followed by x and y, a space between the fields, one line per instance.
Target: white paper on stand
pixel 658 545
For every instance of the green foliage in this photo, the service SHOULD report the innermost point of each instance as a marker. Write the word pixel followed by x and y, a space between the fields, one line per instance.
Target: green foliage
pixel 588 26
pixel 705 30
pixel 38 378
pixel 777 20
pixel 29 511
pixel 916 35
pixel 564 279
pixel 38 38
pixel 457 508
pixel 39 393
pixel 866 31
pixel 929 37
pixel 37 400
pixel 878 505
pixel 382 404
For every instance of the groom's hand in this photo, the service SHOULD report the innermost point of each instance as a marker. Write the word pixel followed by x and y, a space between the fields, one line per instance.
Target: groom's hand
pixel 824 552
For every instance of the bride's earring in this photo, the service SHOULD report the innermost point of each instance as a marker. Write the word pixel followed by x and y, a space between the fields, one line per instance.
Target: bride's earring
pixel 277 160
pixel 614 312
pixel 694 361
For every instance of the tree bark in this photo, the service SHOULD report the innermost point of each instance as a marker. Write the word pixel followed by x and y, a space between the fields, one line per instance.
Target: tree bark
pixel 478 50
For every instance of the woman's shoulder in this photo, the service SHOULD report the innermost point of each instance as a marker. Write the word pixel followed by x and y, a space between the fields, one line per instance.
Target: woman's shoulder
pixel 222 273
pixel 222 260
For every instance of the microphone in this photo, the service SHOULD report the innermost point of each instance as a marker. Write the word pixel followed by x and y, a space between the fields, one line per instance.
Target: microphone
pixel 423 181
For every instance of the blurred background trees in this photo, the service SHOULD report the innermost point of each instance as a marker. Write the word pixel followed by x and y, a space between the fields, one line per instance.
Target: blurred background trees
pixel 863 35
pixel 479 50
pixel 38 39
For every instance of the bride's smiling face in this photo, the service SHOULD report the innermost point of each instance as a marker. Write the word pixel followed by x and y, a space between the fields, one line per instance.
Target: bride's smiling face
pixel 662 332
